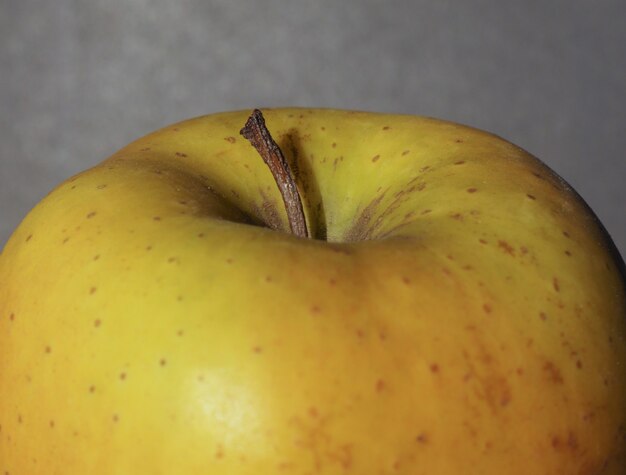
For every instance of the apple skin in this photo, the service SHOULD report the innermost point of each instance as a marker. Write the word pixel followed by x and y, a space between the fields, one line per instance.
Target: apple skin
pixel 462 311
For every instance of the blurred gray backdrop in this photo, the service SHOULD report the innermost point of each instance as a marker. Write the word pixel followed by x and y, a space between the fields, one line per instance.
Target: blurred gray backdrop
pixel 80 79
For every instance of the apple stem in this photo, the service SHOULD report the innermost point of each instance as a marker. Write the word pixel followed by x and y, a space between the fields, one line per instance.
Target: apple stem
pixel 260 138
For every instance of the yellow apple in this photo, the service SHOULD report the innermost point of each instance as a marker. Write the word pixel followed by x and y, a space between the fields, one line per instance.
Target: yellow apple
pixel 458 310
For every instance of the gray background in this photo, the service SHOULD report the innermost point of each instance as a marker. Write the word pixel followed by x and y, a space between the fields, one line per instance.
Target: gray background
pixel 80 79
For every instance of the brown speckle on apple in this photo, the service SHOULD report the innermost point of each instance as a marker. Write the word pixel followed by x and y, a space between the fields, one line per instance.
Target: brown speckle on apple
pixel 506 247
pixel 552 372
pixel 375 158
pixel 567 443
pixel 219 452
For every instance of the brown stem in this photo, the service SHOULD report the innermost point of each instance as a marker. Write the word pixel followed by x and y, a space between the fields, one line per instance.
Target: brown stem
pixel 258 135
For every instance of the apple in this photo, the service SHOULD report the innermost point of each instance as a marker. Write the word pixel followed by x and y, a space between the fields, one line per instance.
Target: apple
pixel 408 296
